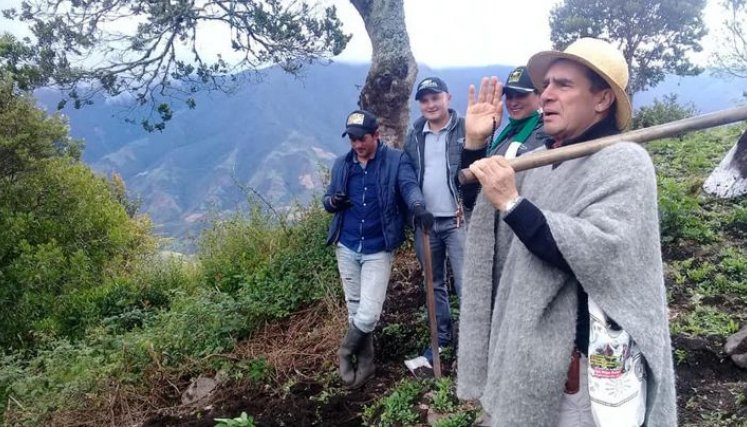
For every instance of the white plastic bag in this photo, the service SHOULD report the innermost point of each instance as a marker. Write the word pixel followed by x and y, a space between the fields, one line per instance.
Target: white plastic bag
pixel 616 374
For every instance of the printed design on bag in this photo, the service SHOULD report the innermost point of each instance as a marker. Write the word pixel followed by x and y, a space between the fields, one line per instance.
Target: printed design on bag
pixel 609 352
pixel 616 374
pixel 609 361
pixel 615 365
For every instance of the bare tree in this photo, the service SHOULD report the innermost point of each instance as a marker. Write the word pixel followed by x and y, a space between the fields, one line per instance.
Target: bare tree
pixel 393 70
pixel 654 35
pixel 731 57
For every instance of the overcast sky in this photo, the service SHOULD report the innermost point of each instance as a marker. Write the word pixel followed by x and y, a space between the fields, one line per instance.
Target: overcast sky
pixel 449 33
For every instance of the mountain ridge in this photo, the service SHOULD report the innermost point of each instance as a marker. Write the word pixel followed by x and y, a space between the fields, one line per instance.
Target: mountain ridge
pixel 274 135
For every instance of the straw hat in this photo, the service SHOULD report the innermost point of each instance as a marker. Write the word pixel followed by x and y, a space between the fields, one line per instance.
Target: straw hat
pixel 601 57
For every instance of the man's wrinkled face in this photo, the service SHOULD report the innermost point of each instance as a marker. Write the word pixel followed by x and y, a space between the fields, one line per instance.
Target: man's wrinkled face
pixel 365 146
pixel 568 104
pixel 435 106
pixel 521 105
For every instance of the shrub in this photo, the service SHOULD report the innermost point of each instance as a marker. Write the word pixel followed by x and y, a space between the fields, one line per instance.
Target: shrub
pixel 61 235
pixel 679 214
pixel 63 230
pixel 172 319
pixel 271 267
pixel 664 111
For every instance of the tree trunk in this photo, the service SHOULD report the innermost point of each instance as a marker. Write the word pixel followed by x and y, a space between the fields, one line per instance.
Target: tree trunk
pixel 391 77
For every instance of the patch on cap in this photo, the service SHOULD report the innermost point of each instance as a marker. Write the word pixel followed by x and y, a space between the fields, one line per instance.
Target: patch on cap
pixel 515 76
pixel 356 119
pixel 429 84
pixel 519 81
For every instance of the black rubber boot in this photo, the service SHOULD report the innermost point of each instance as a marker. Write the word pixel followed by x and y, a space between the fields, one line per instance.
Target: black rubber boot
pixel 349 348
pixel 365 368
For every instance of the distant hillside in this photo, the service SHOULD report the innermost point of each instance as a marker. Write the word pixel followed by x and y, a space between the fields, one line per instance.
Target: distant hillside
pixel 272 135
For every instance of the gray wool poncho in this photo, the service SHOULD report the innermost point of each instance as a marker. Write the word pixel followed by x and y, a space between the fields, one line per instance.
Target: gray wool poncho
pixel 602 211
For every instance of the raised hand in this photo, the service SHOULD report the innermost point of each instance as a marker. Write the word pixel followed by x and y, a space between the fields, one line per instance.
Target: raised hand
pixel 484 112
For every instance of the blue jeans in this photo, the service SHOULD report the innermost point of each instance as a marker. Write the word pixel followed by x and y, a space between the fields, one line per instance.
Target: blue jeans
pixel 365 278
pixel 446 240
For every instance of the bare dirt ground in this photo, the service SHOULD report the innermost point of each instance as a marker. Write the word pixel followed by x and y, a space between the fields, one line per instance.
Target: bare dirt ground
pixel 307 392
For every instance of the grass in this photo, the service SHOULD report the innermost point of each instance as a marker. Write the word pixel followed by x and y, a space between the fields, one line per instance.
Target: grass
pixel 704 321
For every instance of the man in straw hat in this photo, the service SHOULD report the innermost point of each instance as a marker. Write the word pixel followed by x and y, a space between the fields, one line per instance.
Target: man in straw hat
pixel 568 236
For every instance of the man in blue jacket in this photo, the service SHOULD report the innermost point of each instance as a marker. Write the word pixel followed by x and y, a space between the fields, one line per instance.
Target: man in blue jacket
pixel 370 189
pixel 434 144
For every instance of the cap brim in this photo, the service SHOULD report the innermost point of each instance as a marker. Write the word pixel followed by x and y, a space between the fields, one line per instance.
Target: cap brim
pixel 355 132
pixel 540 62
pixel 427 91
pixel 517 89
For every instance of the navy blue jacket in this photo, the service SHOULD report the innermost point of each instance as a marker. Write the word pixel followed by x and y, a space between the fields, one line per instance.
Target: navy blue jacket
pixel 398 191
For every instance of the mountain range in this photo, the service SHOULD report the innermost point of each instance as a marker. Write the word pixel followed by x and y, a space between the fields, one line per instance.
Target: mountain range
pixel 274 135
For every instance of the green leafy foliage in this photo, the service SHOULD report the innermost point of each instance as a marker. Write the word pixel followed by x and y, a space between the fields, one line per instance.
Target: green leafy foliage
pixel 664 111
pixel 654 36
pixel 401 406
pixel 679 213
pixel 169 315
pixel 28 135
pixel 703 243
pixel 680 356
pixel 682 164
pixel 736 223
pixel 443 398
pixel 144 60
pixel 397 408
pixel 241 421
pixel 17 64
pixel 272 267
pixel 705 320
pixel 461 419
pixel 62 231
pixel 726 275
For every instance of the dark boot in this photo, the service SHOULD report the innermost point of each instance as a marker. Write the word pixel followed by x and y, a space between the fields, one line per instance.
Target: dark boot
pixel 350 346
pixel 366 368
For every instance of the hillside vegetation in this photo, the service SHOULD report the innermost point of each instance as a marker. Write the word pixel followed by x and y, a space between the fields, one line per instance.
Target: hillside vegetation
pixel 99 329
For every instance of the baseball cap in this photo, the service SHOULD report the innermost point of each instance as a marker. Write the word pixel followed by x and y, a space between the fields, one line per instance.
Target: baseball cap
pixel 430 85
pixel 359 123
pixel 519 81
